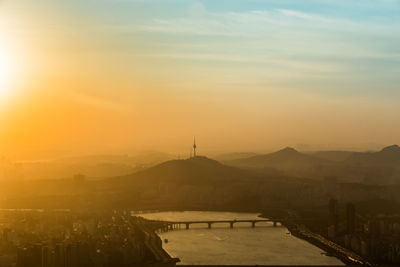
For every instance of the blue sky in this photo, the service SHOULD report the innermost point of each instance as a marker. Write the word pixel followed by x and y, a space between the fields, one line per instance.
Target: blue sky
pixel 357 42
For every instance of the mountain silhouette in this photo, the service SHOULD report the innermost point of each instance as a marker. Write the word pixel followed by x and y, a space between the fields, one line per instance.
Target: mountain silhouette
pixel 233 156
pixel 394 150
pixel 197 170
pixel 338 156
pixel 388 156
pixel 288 160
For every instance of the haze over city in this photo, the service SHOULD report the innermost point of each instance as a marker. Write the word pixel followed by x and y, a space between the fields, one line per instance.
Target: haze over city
pixel 199 133
pixel 115 77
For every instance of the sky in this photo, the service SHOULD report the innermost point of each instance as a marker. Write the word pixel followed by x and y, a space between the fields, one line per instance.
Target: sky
pixel 118 76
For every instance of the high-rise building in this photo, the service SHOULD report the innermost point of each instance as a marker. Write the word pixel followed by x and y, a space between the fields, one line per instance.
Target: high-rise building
pixel 350 218
pixel 46 257
pixel 333 214
pixel 59 254
pixel 71 256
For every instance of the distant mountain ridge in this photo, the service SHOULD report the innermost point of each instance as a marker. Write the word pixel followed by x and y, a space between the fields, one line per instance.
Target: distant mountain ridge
pixel 93 166
pixel 381 167
pixel 285 159
pixel 233 156
pixel 387 156
pixel 180 184
pixel 332 155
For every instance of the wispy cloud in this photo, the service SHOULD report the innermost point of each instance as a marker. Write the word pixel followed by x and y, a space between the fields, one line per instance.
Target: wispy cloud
pixel 282 32
pixel 258 22
pixel 96 102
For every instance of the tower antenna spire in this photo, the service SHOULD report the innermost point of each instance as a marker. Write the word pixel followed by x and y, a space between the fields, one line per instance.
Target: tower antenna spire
pixel 194 147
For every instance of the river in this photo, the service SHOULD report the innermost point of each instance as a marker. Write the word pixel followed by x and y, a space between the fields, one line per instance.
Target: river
pixel 242 245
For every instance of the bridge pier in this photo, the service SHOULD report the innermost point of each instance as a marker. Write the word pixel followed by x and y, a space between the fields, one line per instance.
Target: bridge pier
pixel 209 225
pixel 275 223
pixel 187 226
pixel 231 224
pixel 253 224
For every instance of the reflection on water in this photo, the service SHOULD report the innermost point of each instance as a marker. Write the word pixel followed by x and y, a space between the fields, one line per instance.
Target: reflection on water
pixel 241 245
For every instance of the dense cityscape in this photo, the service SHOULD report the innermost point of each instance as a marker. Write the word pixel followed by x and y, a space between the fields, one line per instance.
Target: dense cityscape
pixel 32 238
pixel 374 237
pixel 39 238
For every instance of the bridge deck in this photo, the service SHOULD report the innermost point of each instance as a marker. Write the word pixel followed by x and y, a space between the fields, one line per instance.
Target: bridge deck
pixel 220 221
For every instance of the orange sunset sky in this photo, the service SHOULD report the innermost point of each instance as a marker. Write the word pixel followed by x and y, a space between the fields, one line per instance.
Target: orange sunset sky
pixel 103 76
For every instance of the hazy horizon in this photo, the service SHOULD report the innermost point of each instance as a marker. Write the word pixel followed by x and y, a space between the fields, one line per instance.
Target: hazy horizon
pixel 123 76
pixel 38 156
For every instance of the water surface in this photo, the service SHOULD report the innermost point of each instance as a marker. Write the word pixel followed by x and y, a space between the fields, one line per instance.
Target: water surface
pixel 242 245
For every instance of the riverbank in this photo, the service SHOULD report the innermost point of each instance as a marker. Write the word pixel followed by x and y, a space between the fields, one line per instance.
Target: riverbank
pixel 346 256
pixel 300 231
pixel 153 243
pixel 270 245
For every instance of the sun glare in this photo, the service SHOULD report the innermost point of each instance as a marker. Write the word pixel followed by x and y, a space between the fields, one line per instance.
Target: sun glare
pixel 5 72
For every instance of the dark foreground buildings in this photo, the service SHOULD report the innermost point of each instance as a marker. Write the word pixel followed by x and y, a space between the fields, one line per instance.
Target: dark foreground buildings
pixel 373 236
pixel 65 239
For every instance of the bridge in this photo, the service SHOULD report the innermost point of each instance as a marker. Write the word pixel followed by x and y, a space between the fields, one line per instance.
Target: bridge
pixel 171 225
